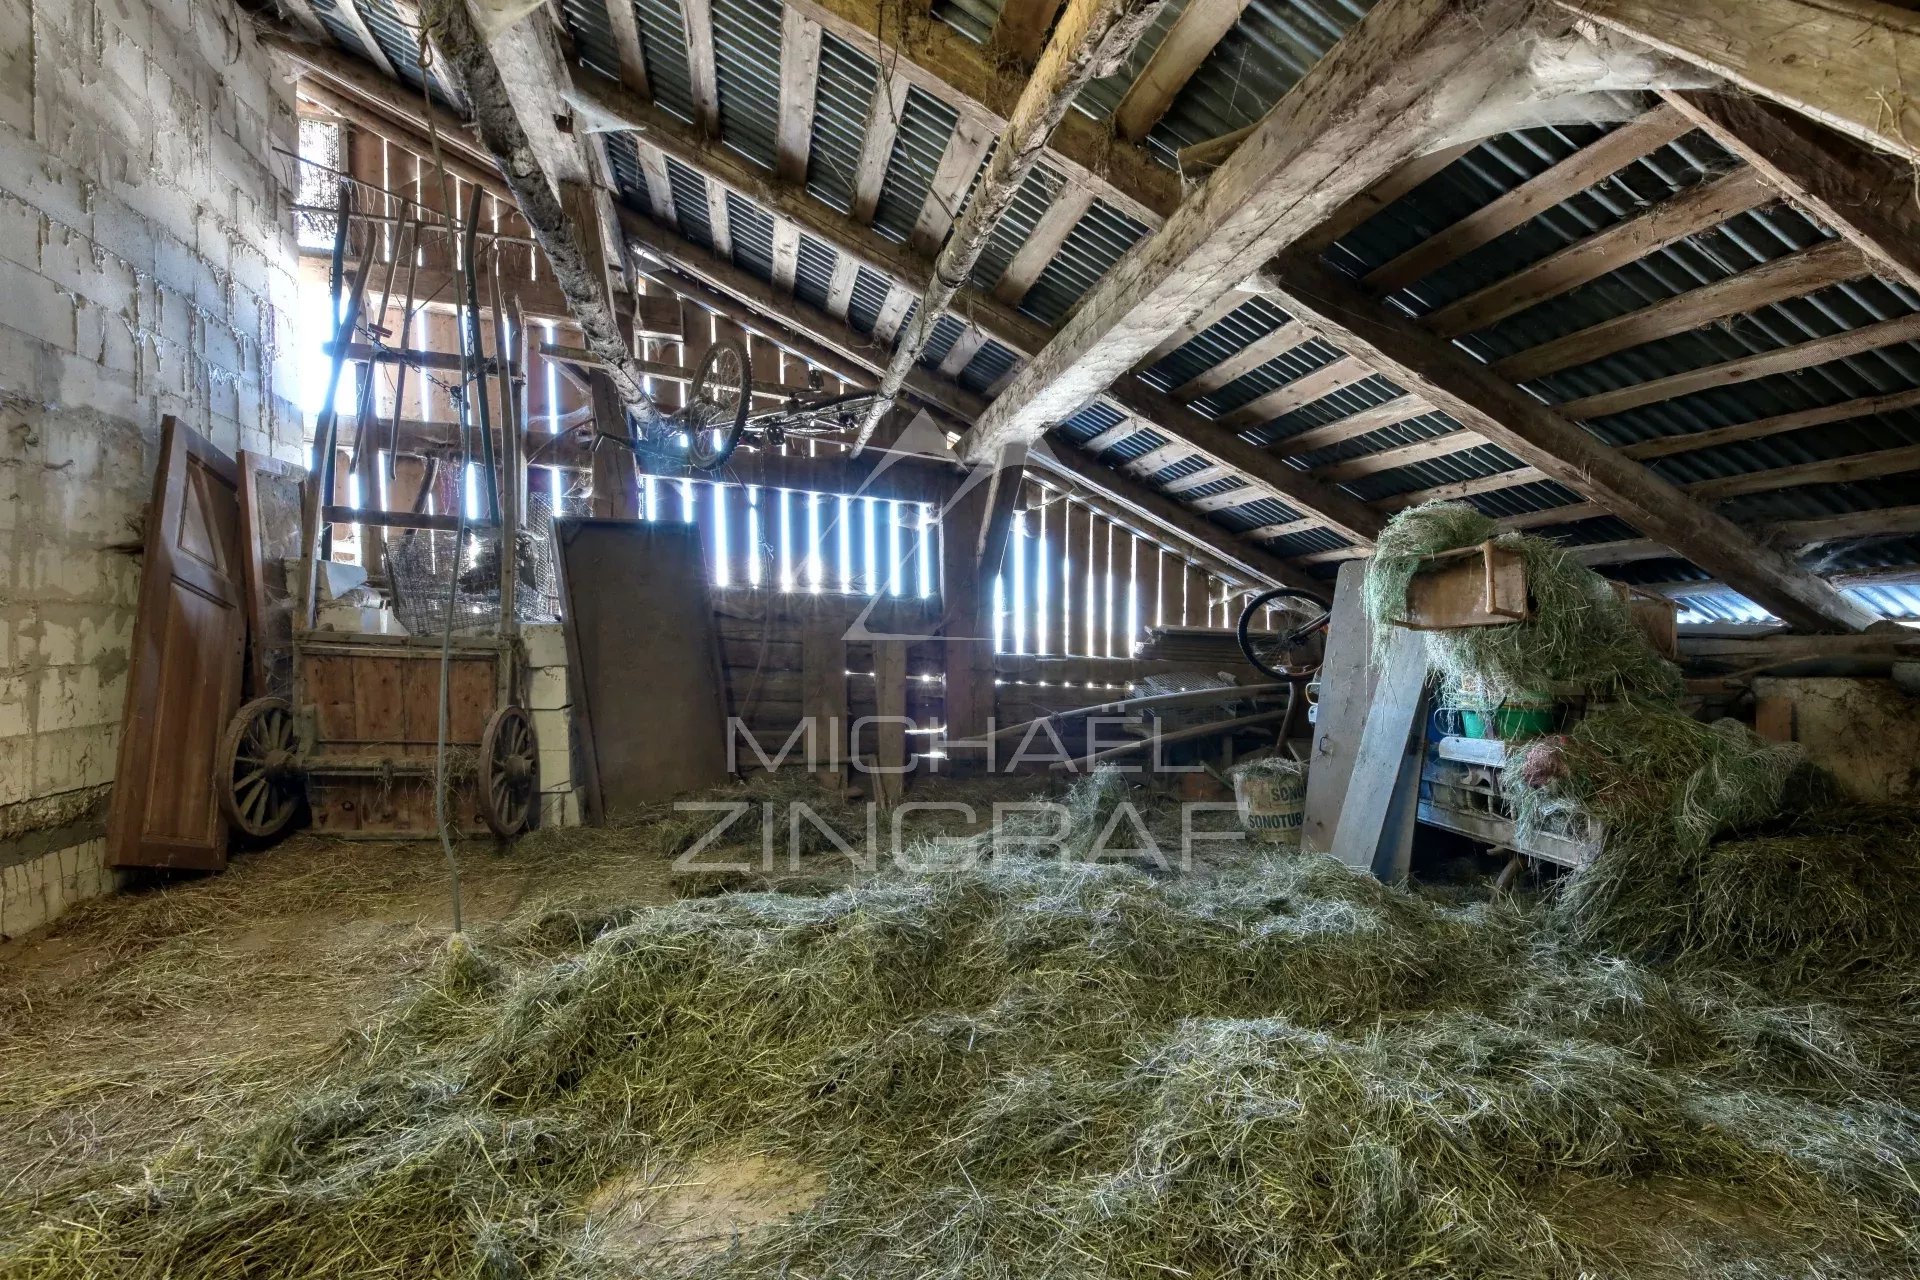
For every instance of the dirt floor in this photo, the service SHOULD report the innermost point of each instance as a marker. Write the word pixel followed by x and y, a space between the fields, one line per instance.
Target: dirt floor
pixel 135 1014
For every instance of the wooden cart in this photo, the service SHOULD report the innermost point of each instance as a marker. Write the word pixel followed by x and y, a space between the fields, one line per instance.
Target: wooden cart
pixel 357 740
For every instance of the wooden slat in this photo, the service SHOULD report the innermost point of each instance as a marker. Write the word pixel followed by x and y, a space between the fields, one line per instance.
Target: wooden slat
pixel 625 26
pixel 1112 436
pixel 659 186
pixel 958 165
pixel 1186 45
pixel 1021 29
pixel 1480 400
pixel 719 221
pixel 704 84
pixel 876 149
pixel 1244 361
pixel 1362 111
pixel 349 13
pixel 1858 524
pixel 1582 169
pixel 786 254
pixel 799 90
pixel 1159 458
pixel 1454 490
pixel 1042 243
pixel 892 312
pixel 1858 466
pixel 1864 195
pixel 1791 276
pixel 1216 311
pixel 1204 476
pixel 1286 528
pixel 1689 213
pixel 1353 426
pixel 1304 390
pixel 846 273
pixel 1403 456
pixel 961 354
pixel 1728 373
pixel 1364 206
pixel 1838 61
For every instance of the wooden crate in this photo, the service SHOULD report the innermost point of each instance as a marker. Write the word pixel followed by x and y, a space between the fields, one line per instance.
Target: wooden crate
pixel 1481 586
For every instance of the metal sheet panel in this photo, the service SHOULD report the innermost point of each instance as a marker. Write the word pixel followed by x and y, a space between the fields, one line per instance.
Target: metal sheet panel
pixel 926 124
pixel 847 81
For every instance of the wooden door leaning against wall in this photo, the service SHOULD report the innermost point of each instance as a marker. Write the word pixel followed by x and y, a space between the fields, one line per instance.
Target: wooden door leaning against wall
pixel 183 685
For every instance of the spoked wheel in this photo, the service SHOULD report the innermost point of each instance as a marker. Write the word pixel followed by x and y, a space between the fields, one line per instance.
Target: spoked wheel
pixel 716 412
pixel 1269 651
pixel 259 778
pixel 509 772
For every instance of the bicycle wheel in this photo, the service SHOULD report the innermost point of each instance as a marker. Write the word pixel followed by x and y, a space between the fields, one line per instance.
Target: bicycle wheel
pixel 1268 650
pixel 716 413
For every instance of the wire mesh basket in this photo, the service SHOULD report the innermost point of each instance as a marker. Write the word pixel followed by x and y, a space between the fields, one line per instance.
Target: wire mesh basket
pixel 436 575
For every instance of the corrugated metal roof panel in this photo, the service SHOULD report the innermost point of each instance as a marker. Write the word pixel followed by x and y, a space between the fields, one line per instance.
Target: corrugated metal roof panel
pixel 870 290
pixel 663 43
pixel 1031 201
pixel 973 19
pixel 946 331
pixel 592 34
pixel 813 276
pixel 841 105
pixel 328 11
pixel 746 62
pixel 1239 328
pixel 1287 367
pixel 400 42
pixel 1097 241
pixel 987 366
pixel 751 229
pixel 1090 422
pixel 628 179
pixel 690 203
pixel 926 124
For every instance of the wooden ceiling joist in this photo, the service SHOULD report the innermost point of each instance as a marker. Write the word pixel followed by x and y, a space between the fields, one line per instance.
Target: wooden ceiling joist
pixel 1480 400
pixel 799 92
pixel 1793 275
pixel 1864 195
pixel 1186 45
pixel 1841 62
pixel 1803 355
pixel 1365 109
pixel 1091 37
pixel 1697 209
pixel 1584 168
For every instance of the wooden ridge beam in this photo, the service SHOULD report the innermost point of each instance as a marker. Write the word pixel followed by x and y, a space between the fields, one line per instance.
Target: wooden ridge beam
pixel 1480 400
pixel 1793 275
pixel 1200 27
pixel 1694 210
pixel 1864 195
pixel 1364 110
pixel 1840 62
pixel 1632 141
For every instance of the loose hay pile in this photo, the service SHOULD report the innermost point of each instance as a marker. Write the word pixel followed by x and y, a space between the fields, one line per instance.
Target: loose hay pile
pixel 1060 1069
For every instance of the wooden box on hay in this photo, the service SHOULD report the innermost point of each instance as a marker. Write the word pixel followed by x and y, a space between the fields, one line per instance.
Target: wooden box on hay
pixel 375 708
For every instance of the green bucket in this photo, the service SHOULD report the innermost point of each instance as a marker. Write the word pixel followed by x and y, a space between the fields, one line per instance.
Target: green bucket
pixel 1510 721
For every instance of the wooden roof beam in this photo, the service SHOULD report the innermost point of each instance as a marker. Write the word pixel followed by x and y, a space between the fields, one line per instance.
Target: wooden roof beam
pixel 799 93
pixel 1562 451
pixel 1864 195
pixel 1372 104
pixel 1092 37
pixel 1840 62
pixel 1186 45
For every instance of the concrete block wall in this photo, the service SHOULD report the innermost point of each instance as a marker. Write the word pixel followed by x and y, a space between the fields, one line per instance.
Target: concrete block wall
pixel 550 703
pixel 147 267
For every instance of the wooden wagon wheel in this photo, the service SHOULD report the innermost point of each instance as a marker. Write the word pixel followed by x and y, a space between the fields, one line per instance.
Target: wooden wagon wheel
pixel 509 772
pixel 259 778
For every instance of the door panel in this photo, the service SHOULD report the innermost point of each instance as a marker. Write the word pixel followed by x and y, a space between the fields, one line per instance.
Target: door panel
pixel 188 646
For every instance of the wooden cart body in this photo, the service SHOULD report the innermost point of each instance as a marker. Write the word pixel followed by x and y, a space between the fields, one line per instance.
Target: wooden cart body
pixel 369 708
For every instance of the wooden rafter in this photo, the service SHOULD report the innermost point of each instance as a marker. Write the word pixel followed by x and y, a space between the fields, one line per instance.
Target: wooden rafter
pixel 799 92
pixel 624 24
pixel 1364 110
pixel 876 149
pixel 1689 213
pixel 959 164
pixel 1790 276
pixel 1091 38
pixel 1042 244
pixel 1181 51
pixel 1864 195
pixel 703 80
pixel 1584 168
pixel 1480 400
pixel 1244 361
pixel 786 254
pixel 1842 62
pixel 1021 29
